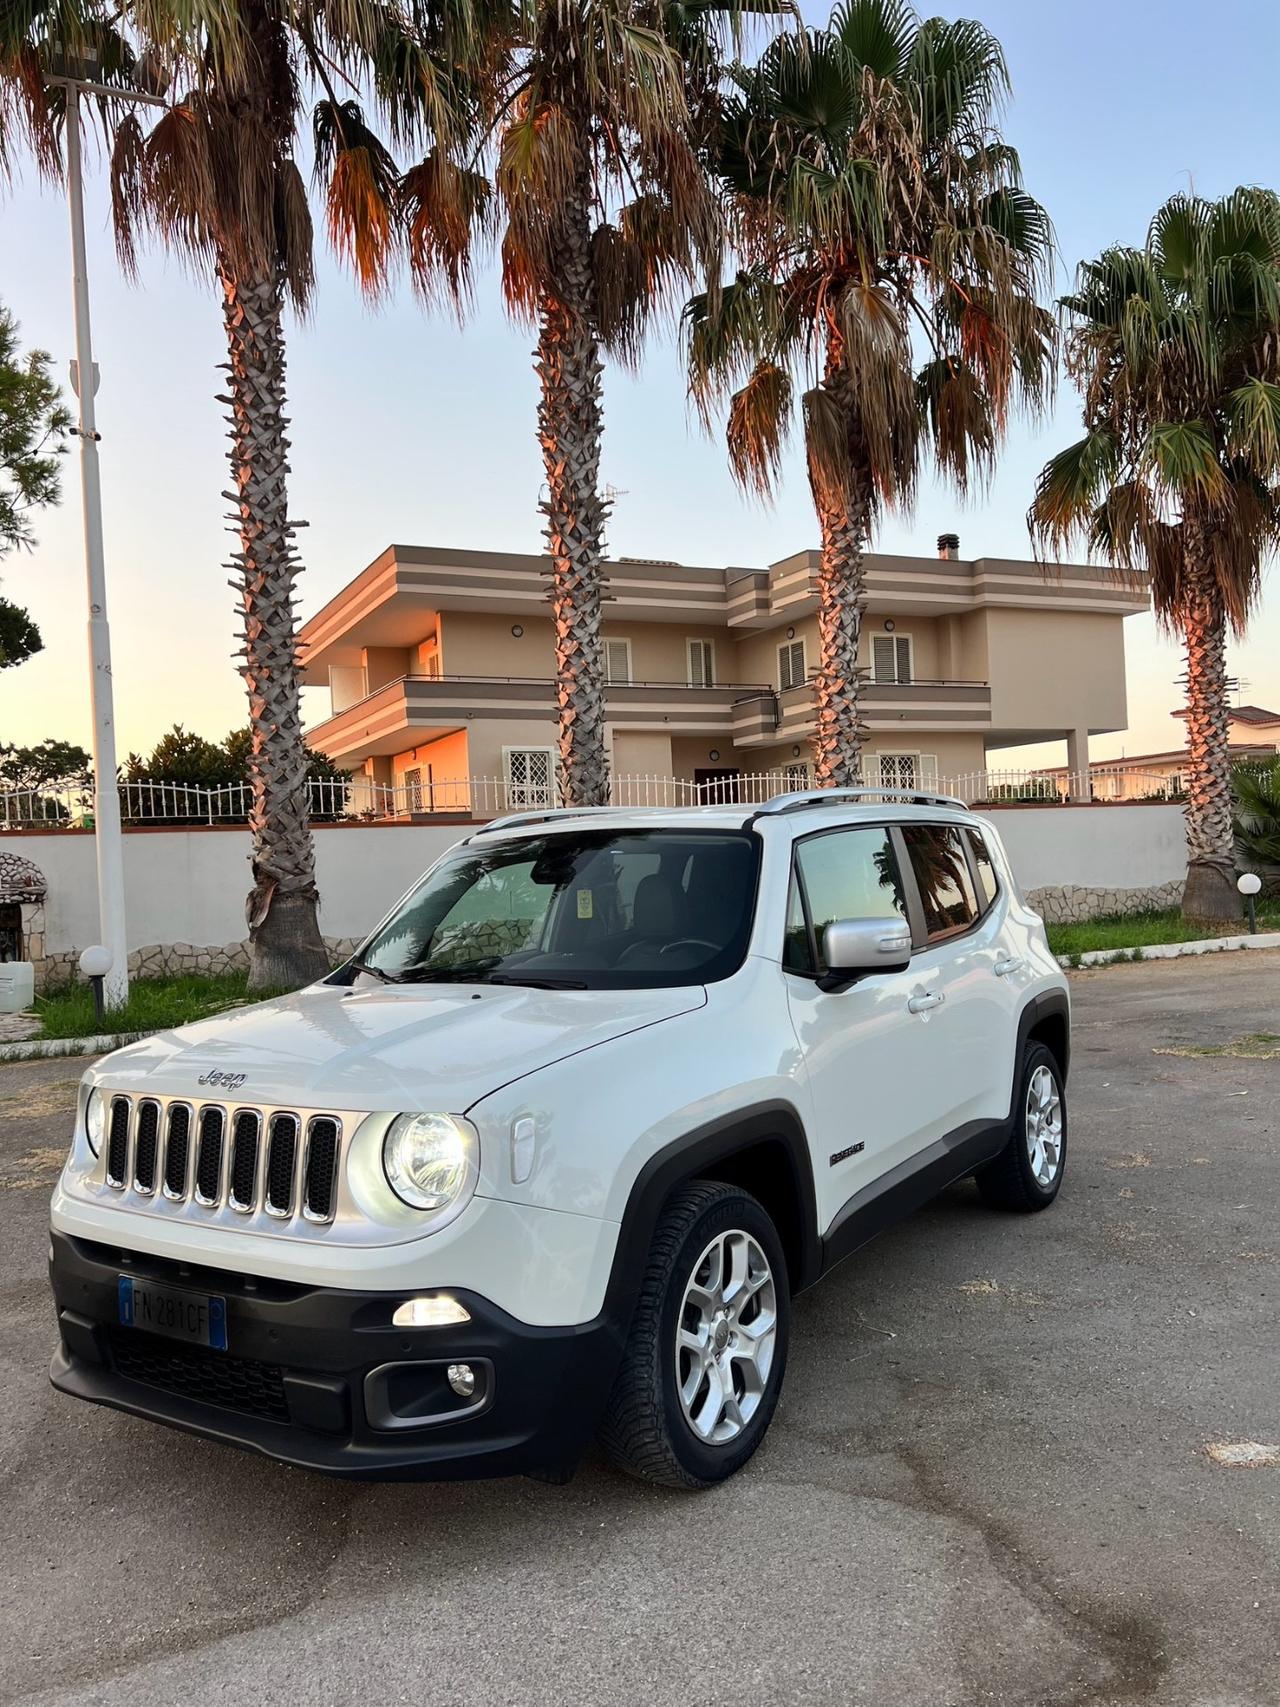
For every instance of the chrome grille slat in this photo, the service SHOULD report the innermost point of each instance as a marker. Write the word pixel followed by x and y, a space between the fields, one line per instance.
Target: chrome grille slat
pixel 320 1171
pixel 209 1150
pixel 177 1152
pixel 118 1143
pixel 242 1190
pixel 146 1146
pixel 282 1164
pixel 205 1159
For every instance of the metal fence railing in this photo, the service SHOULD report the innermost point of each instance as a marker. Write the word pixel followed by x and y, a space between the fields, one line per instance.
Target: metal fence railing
pixel 359 799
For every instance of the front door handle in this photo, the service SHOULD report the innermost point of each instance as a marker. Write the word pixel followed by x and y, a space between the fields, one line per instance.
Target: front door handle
pixel 922 1004
pixel 1003 968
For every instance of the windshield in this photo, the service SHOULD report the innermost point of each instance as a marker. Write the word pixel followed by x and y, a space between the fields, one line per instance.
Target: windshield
pixel 578 910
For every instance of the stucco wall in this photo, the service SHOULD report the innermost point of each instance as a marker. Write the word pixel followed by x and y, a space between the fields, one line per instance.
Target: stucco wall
pixel 187 887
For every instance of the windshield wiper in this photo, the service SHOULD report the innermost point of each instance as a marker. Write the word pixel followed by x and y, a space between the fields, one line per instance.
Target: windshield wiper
pixel 376 972
pixel 534 982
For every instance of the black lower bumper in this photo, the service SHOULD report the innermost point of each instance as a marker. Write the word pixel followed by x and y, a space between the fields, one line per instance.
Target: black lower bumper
pixel 317 1377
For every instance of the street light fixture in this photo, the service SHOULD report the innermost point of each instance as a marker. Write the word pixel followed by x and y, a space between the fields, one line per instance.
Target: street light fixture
pixel 108 839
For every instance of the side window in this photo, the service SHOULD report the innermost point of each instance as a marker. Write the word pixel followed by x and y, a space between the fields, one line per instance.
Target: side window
pixel 847 874
pixel 942 875
pixel 988 883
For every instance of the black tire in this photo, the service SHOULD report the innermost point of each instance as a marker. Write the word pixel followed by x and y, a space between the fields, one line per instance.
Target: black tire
pixel 1010 1181
pixel 645 1430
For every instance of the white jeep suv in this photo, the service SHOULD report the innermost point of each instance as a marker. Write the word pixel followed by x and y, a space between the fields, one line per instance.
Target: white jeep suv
pixel 550 1156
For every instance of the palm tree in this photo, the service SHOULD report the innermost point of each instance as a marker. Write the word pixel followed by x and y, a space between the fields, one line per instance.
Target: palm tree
pixel 891 262
pixel 216 178
pixel 1176 348
pixel 607 211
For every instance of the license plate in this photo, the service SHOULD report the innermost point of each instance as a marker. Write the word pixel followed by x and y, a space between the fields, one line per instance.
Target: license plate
pixel 198 1317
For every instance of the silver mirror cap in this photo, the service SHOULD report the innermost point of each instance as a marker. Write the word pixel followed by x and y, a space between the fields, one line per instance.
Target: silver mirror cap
pixel 866 945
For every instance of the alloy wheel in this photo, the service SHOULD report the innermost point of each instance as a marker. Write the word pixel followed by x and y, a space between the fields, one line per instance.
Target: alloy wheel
pixel 725 1337
pixel 1044 1126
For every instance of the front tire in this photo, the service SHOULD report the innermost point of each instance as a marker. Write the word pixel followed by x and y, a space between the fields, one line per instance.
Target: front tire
pixel 704 1361
pixel 1027 1173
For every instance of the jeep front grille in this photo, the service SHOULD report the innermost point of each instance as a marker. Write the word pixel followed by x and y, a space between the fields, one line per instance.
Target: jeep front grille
pixel 254 1161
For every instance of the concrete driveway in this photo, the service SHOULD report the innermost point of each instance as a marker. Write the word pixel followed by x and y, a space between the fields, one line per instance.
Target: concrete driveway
pixel 987 1482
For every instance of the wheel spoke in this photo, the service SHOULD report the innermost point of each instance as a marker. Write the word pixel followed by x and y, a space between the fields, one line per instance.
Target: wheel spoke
pixel 707 1415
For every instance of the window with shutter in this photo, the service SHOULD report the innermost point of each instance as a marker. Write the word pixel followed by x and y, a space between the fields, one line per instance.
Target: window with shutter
pixel 891 657
pixel 413 791
pixel 617 660
pixel 791 665
pixel 701 663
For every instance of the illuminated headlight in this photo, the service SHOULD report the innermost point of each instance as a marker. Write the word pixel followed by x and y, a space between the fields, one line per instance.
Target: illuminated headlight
pixel 95 1119
pixel 430 1160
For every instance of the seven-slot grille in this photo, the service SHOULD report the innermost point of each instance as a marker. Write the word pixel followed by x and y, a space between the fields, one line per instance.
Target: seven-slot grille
pixel 211 1156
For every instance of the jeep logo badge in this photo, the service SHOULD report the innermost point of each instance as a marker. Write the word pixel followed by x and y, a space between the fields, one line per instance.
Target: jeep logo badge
pixel 224 1081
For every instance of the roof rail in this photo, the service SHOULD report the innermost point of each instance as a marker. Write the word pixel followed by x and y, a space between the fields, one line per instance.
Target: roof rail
pixel 545 816
pixel 835 796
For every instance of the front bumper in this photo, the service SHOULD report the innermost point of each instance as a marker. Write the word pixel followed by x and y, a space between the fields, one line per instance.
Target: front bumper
pixel 317 1377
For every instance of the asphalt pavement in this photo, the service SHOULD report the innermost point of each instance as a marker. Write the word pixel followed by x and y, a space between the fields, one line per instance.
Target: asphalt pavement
pixel 994 1476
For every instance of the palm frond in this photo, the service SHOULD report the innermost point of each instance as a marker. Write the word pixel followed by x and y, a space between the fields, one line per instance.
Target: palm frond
pixel 1071 487
pixel 759 423
pixel 361 193
pixel 448 209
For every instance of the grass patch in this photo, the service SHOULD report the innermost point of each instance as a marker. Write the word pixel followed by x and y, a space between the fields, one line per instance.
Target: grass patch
pixel 1253 1046
pixel 1144 930
pixel 153 1005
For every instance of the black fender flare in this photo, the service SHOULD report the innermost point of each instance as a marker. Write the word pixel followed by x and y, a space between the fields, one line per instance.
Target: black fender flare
pixel 693 1156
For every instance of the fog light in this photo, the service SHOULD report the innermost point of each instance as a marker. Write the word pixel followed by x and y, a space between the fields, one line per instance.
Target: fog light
pixel 462 1378
pixel 436 1310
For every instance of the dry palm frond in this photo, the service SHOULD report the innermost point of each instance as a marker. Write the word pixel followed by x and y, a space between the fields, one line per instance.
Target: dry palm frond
pixel 446 208
pixel 295 235
pixel 759 423
pixel 962 422
pixel 362 192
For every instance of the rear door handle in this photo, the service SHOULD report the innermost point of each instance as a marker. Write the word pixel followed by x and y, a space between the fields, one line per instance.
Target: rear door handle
pixel 922 1004
pixel 1003 968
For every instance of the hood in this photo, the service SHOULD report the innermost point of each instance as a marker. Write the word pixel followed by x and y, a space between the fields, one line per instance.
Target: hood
pixel 417 1046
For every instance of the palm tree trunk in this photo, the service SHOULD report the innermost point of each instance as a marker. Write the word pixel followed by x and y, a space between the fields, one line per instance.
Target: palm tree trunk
pixel 570 425
pixel 844 512
pixel 1210 892
pixel 285 946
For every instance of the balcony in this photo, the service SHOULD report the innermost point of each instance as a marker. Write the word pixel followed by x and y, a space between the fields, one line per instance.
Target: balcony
pixel 765 718
pixel 413 710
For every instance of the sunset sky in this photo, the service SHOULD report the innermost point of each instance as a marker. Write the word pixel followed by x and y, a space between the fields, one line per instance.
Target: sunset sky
pixel 406 429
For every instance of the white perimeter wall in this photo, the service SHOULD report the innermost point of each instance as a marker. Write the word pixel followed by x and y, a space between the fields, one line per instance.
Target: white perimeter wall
pixel 190 885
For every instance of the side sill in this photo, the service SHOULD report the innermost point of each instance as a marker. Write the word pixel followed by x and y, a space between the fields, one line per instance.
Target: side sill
pixel 910 1185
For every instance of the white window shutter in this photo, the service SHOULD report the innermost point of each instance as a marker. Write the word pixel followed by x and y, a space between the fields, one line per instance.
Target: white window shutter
pixel 928 770
pixel 903 660
pixel 617 661
pixel 882 657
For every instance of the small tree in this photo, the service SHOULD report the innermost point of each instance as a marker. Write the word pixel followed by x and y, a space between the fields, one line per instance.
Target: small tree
pixel 1256 825
pixel 32 421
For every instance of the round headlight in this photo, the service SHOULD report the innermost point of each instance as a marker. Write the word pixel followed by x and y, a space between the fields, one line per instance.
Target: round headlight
pixel 429 1159
pixel 95 1119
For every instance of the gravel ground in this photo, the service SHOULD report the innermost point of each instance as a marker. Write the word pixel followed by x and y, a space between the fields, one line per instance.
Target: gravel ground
pixel 989 1479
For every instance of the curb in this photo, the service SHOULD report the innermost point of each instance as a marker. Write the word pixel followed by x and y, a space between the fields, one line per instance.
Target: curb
pixel 54 1048
pixel 1166 950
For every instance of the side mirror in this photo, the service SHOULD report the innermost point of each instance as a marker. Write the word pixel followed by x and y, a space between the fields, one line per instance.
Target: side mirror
pixel 852 948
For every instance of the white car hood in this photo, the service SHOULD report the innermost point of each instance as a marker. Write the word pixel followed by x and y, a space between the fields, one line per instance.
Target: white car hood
pixel 420 1046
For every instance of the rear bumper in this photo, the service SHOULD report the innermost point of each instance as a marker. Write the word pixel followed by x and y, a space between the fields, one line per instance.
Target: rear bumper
pixel 317 1377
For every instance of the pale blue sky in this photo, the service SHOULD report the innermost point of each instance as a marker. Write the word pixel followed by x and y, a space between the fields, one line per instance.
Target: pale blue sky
pixel 406 429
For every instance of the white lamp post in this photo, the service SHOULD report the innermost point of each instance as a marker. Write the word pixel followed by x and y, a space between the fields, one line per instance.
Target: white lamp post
pixel 1249 883
pixel 108 841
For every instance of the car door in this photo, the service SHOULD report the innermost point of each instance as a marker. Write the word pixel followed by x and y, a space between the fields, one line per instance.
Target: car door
pixel 874 1096
pixel 965 975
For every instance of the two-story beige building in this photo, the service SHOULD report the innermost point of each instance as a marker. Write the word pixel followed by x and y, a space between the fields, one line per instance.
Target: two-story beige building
pixel 440 667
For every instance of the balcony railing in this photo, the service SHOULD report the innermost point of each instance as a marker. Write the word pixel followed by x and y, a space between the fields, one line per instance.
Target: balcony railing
pixel 157 804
